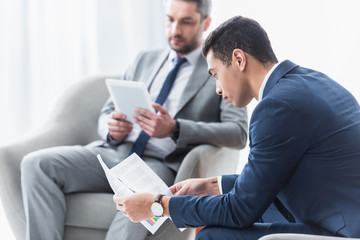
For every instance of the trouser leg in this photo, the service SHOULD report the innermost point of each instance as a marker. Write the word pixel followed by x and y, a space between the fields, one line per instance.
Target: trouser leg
pixel 122 227
pixel 45 176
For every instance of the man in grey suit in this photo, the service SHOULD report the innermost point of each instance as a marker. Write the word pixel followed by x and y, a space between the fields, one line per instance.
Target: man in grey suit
pixel 191 114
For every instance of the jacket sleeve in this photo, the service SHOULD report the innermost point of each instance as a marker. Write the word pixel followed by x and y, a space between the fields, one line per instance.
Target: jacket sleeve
pixel 227 182
pixel 230 131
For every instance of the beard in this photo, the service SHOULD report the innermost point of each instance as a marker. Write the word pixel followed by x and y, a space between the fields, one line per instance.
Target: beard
pixel 187 47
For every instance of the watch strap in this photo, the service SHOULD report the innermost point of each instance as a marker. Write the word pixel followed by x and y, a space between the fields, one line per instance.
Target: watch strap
pixel 175 134
pixel 158 198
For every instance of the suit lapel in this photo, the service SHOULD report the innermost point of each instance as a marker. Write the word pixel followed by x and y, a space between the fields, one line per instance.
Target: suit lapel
pixel 157 66
pixel 283 68
pixel 197 79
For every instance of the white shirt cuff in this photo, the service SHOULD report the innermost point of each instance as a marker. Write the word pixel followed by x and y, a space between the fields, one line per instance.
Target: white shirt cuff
pixel 219 178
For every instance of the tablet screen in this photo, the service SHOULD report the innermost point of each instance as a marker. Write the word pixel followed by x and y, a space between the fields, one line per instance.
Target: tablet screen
pixel 128 95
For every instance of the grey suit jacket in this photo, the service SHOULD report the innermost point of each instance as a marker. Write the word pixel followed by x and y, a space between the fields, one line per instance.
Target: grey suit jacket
pixel 204 117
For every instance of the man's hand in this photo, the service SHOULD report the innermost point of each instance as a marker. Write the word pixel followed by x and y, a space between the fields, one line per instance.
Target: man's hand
pixel 158 125
pixel 137 207
pixel 196 187
pixel 118 127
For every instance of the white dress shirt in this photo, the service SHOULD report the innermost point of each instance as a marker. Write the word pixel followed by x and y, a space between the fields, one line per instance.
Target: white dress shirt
pixel 167 145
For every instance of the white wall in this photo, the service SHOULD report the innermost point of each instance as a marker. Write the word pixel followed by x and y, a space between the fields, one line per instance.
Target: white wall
pixel 125 28
pixel 47 46
pixel 321 34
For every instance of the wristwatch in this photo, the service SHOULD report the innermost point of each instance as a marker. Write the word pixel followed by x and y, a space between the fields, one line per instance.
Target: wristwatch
pixel 157 208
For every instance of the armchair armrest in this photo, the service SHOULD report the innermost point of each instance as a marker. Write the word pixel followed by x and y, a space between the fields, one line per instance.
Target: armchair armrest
pixel 207 161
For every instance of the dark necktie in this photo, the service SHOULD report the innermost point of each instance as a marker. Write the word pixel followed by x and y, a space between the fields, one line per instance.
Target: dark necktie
pixel 141 141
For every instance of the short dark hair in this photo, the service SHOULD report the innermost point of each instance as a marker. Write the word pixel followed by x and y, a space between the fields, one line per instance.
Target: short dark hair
pixel 239 33
pixel 203 7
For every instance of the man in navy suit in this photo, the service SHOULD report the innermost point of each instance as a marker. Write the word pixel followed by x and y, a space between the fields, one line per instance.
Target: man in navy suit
pixel 304 149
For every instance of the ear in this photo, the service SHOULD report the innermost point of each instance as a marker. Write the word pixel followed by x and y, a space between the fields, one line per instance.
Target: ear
pixel 207 22
pixel 239 58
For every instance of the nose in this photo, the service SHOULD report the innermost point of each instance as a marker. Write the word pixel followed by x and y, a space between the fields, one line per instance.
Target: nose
pixel 218 89
pixel 175 28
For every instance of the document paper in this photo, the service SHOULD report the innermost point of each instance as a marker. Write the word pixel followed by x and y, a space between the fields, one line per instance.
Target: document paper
pixel 133 175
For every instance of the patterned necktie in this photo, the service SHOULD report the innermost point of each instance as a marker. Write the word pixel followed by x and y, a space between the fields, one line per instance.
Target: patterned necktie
pixel 141 141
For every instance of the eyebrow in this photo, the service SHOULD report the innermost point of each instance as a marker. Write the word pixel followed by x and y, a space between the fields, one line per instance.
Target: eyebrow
pixel 184 18
pixel 187 18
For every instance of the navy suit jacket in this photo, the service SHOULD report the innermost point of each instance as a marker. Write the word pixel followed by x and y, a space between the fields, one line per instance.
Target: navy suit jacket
pixel 304 148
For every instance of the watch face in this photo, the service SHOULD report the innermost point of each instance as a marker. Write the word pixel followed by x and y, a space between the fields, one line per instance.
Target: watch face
pixel 157 209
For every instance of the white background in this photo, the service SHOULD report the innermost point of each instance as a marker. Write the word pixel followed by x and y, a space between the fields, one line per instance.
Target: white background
pixel 319 34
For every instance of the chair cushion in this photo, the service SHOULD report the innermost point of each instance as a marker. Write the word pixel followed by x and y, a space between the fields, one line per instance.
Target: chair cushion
pixel 90 210
pixel 77 233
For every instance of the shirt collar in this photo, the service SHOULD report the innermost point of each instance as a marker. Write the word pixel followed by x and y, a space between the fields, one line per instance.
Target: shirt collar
pixel 261 91
pixel 191 57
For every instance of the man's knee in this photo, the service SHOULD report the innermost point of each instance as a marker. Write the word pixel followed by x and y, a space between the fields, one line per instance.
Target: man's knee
pixel 209 233
pixel 30 162
pixel 253 232
pixel 35 164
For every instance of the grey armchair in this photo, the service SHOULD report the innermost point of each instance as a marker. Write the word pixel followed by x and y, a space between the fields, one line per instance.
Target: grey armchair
pixel 90 214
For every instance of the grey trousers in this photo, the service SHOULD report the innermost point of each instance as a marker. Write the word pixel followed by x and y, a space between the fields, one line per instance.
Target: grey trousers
pixel 48 174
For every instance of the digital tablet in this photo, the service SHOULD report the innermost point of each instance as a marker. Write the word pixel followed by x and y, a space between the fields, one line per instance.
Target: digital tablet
pixel 128 95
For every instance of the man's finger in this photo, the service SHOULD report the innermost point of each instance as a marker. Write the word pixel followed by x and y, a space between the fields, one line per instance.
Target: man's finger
pixel 148 130
pixel 120 128
pixel 118 200
pixel 180 192
pixel 160 108
pixel 142 119
pixel 173 189
pixel 176 188
pixel 144 112
pixel 118 116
